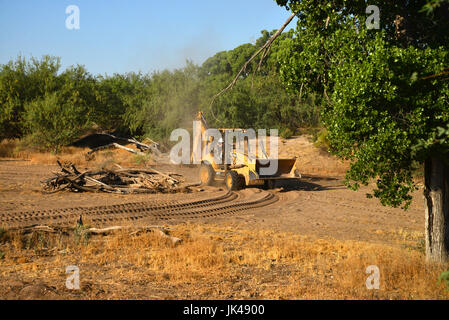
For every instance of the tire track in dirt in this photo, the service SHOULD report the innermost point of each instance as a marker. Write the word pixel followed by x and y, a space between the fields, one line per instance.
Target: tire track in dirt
pixel 226 204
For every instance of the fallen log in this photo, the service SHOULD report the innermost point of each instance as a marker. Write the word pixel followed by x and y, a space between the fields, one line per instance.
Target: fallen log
pixel 114 144
pixel 137 143
pixel 174 240
pixel 158 230
pixel 164 175
pixel 100 183
pixel 141 146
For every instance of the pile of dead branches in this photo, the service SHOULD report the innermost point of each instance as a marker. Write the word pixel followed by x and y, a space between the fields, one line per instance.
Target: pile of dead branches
pixel 123 181
pixel 143 148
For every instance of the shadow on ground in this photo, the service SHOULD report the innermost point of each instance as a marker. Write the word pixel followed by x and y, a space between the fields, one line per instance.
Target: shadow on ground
pixel 309 184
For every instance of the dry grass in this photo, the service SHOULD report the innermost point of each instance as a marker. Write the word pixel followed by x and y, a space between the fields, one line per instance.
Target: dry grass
pixel 9 149
pixel 222 263
pixel 77 156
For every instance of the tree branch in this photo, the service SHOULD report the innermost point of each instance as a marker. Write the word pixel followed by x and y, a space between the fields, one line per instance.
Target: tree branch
pixel 265 48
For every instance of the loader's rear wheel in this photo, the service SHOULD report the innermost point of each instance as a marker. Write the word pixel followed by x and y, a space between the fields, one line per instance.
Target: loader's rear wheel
pixel 234 181
pixel 207 174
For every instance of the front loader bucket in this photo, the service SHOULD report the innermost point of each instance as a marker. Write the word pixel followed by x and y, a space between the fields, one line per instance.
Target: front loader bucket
pixel 285 167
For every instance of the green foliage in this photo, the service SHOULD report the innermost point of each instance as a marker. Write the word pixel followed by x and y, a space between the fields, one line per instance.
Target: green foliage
pixel 321 140
pixel 54 123
pixel 431 5
pixel 444 277
pixel 168 100
pixel 259 99
pixel 20 83
pixel 163 102
pixel 286 133
pixel 111 93
pixel 50 109
pixel 142 159
pixel 420 246
pixel 59 117
pixel 81 235
pixel 387 106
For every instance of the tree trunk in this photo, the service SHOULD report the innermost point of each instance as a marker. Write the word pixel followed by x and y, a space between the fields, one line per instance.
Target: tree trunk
pixel 436 194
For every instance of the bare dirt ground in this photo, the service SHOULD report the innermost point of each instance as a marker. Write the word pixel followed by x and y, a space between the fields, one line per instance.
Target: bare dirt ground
pixel 318 204
pixel 317 207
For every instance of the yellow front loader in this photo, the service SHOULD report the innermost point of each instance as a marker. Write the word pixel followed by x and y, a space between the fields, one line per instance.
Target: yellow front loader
pixel 243 170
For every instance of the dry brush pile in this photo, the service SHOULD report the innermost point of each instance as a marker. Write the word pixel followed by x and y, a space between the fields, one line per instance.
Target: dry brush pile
pixel 123 181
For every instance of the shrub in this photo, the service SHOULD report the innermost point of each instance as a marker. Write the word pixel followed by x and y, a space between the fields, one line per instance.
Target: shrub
pixel 54 123
pixel 321 140
pixel 444 277
pixel 286 133
pixel 8 148
pixel 142 159
pixel 81 235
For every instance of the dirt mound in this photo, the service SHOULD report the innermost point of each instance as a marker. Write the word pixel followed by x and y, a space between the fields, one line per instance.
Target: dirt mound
pixel 310 159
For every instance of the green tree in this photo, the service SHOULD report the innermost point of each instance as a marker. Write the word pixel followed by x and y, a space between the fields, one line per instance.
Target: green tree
pixel 52 108
pixel 259 99
pixel 58 118
pixel 387 96
pixel 163 102
pixel 22 81
pixel 110 107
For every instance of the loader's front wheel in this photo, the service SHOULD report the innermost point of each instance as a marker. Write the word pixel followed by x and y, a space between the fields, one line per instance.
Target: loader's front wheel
pixel 269 184
pixel 234 181
pixel 207 174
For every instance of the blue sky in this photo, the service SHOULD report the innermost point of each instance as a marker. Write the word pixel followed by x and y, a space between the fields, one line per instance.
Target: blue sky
pixel 134 35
